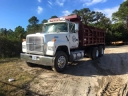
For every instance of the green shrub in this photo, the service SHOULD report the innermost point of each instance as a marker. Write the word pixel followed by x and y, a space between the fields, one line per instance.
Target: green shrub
pixel 9 47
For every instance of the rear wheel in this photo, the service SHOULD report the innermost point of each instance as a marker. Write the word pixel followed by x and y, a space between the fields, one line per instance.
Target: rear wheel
pixel 60 62
pixel 94 53
pixel 101 51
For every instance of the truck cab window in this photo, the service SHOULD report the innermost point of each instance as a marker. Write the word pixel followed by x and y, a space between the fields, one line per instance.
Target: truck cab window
pixel 56 27
pixel 71 27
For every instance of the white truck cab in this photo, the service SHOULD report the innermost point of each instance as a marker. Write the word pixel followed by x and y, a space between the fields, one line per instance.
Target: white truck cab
pixel 58 36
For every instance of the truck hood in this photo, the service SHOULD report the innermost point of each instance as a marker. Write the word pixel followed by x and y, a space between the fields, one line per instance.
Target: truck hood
pixel 61 36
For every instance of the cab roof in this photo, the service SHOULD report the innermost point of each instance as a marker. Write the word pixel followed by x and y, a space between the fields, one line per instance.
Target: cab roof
pixel 72 18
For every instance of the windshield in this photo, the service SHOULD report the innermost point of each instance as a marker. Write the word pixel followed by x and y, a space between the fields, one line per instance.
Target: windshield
pixel 56 27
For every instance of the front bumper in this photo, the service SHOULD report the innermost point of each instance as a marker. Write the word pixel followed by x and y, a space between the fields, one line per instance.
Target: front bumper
pixel 37 59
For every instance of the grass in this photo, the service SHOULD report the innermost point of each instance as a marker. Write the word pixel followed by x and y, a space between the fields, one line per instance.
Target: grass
pixel 9 68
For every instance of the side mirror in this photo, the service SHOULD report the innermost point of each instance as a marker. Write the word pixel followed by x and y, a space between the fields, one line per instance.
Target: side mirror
pixel 76 27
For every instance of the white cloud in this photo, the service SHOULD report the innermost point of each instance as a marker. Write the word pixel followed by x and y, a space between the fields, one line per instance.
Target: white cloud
pixel 66 12
pixel 60 2
pixel 39 1
pixel 57 2
pixel 92 2
pixel 108 11
pixel 39 9
pixel 49 5
pixel 50 2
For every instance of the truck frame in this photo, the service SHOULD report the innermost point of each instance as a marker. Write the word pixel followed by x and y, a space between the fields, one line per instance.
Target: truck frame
pixel 64 40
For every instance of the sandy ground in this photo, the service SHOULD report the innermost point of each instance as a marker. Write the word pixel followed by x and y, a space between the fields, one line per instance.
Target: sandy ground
pixel 106 76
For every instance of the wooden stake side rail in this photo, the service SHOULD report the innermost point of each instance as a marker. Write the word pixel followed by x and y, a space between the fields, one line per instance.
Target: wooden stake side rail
pixel 91 36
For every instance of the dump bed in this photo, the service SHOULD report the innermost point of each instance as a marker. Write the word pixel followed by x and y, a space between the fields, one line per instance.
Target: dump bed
pixel 90 35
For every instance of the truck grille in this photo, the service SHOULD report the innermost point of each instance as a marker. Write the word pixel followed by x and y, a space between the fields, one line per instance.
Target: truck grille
pixel 34 44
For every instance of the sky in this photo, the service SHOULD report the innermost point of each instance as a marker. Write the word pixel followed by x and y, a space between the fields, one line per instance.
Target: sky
pixel 15 13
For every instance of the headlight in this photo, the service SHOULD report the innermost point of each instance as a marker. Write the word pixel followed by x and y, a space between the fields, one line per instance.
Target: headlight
pixel 50 47
pixel 24 46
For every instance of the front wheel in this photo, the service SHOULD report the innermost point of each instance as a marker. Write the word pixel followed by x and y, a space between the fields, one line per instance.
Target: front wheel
pixel 60 62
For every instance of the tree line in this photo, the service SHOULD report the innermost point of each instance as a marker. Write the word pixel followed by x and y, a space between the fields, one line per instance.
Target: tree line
pixel 116 29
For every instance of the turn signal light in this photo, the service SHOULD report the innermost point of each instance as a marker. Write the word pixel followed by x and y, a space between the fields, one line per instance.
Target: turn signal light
pixel 53 40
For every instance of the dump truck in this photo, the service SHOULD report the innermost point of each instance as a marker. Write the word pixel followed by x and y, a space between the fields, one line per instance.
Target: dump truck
pixel 65 39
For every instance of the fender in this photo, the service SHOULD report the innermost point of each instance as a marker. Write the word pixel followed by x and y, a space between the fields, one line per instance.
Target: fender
pixel 53 47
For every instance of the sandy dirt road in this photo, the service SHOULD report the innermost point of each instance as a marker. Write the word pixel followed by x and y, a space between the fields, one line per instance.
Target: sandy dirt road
pixel 106 76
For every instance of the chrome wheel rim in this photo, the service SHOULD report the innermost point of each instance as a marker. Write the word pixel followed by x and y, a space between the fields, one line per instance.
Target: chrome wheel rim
pixel 97 53
pixel 102 51
pixel 61 62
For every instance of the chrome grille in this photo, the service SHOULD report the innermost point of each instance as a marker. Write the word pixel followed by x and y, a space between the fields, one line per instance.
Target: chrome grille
pixel 34 44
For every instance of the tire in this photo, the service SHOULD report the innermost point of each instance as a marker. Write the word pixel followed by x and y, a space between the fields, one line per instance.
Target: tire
pixel 60 62
pixel 30 64
pixel 94 53
pixel 101 51
pixel 89 52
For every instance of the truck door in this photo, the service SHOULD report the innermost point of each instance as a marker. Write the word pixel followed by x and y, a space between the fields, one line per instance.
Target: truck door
pixel 73 36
